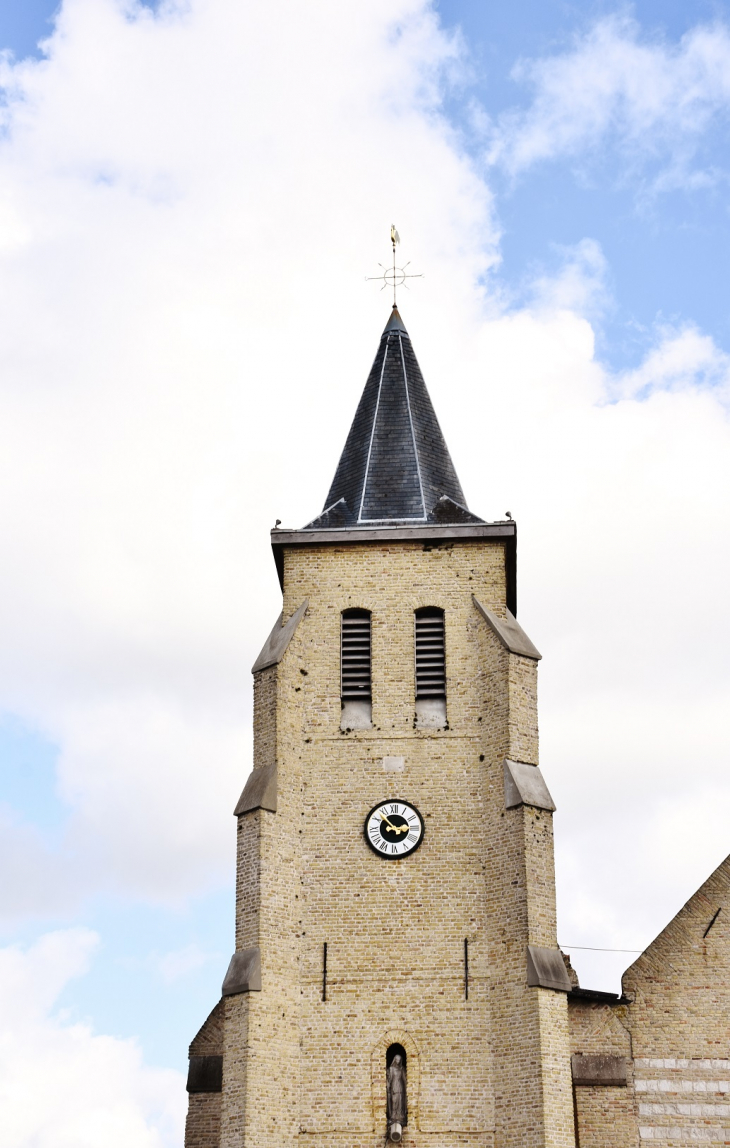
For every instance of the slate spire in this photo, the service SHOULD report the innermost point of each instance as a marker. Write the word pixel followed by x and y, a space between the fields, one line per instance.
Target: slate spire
pixel 395 469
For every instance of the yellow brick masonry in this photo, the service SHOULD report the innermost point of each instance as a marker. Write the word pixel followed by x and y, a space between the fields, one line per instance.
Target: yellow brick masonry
pixel 203 1124
pixel 606 1116
pixel 674 1029
pixel 488 1072
pixel 679 1019
pixel 680 987
pixel 529 1027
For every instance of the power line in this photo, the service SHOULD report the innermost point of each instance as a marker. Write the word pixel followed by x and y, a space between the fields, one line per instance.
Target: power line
pixel 595 949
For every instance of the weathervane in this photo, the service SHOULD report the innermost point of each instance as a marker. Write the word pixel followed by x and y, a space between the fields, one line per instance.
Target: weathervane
pixel 393 276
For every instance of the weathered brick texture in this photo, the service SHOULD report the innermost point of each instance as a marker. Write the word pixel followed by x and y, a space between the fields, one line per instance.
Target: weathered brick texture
pixel 673 1028
pixel 203 1124
pixel 490 1071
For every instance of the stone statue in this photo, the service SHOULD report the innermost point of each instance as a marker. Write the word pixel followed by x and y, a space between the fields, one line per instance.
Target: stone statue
pixel 397 1101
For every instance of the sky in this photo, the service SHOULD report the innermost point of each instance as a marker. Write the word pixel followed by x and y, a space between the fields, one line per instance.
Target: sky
pixel 192 194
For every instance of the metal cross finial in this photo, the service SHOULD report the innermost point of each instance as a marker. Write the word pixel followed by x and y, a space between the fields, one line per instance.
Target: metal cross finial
pixel 393 276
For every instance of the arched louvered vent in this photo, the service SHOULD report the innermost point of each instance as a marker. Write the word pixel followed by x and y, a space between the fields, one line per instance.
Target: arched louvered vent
pixel 430 653
pixel 355 654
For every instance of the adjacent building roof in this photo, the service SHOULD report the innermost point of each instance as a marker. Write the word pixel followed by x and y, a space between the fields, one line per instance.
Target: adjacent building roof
pixel 395 468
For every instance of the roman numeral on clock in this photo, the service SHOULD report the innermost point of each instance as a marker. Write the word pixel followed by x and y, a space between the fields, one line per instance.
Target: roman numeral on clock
pixel 396 824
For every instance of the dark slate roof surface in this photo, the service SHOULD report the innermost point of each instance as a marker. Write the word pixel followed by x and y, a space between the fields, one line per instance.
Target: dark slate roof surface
pixel 395 467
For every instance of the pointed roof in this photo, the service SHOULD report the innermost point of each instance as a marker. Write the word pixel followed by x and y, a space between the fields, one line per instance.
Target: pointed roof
pixel 395 468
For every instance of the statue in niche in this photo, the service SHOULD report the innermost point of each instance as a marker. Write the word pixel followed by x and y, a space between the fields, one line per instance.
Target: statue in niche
pixel 397 1109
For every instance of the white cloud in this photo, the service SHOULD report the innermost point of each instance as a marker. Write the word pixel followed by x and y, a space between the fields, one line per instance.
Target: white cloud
pixel 192 203
pixel 624 531
pixel 654 98
pixel 61 1085
pixel 578 285
pixel 681 360
pixel 195 200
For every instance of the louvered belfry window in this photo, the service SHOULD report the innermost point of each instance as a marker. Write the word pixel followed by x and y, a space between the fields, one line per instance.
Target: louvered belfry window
pixel 430 653
pixel 355 655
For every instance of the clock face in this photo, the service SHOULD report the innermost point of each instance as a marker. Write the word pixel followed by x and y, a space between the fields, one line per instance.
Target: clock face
pixel 393 829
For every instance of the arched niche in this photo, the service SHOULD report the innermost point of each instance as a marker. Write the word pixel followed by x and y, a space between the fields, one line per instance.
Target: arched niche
pixel 391 1042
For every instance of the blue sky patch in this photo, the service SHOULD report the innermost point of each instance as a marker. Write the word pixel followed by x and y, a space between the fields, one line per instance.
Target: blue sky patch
pixel 28 775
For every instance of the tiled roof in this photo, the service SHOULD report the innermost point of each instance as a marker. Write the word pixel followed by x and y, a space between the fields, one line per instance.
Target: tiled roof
pixel 395 467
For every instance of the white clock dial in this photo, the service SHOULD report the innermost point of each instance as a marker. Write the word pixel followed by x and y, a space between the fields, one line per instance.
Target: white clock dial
pixel 393 829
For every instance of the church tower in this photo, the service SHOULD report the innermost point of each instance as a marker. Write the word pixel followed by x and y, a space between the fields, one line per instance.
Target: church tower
pixel 396 975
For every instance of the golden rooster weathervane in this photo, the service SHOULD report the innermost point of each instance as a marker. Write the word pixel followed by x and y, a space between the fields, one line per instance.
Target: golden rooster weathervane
pixel 393 276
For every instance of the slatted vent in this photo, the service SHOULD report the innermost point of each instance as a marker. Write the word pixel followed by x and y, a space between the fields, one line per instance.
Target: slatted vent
pixel 430 653
pixel 355 655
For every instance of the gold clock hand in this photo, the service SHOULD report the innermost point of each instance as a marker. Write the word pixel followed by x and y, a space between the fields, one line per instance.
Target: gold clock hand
pixel 395 828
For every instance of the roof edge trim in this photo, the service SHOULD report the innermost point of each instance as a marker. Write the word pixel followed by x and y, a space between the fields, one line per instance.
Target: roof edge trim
pixel 505 532
pixel 405 533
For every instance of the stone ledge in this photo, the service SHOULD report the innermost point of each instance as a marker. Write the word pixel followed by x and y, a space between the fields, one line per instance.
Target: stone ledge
pixel 260 791
pixel 205 1074
pixel 606 1071
pixel 546 969
pixel 525 785
pixel 509 632
pixel 278 640
pixel 244 973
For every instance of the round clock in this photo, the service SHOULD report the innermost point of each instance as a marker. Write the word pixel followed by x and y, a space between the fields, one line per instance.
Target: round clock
pixel 393 829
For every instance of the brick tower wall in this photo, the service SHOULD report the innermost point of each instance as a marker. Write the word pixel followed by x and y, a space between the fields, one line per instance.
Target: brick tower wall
pixel 490 1071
